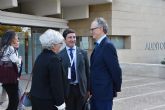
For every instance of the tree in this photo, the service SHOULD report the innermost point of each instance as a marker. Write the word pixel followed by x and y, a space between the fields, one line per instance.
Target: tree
pixel 4 28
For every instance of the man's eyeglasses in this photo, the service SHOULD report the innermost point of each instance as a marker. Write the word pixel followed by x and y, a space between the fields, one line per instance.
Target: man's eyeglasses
pixel 71 37
pixel 94 28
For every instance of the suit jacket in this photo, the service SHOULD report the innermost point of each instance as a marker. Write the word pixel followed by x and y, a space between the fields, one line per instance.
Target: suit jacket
pixel 106 77
pixel 48 81
pixel 82 68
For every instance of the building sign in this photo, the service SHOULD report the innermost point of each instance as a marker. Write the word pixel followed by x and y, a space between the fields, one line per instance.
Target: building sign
pixel 155 46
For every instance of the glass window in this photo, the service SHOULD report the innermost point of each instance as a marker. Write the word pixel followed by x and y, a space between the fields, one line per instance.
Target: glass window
pixel 118 42
pixel 21 49
pixel 83 42
pixel 34 49
pixel 121 41
pixel 37 47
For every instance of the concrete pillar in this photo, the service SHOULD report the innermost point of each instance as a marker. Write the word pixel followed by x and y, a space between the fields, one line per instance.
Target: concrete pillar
pixel 76 12
pixel 4 4
pixel 42 7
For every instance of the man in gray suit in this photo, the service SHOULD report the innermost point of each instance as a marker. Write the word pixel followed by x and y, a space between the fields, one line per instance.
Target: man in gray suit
pixel 76 65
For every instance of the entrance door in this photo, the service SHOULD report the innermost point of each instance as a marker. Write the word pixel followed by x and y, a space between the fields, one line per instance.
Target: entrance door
pixel 34 49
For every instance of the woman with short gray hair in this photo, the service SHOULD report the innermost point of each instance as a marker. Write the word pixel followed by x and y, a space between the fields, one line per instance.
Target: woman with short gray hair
pixel 50 39
pixel 48 81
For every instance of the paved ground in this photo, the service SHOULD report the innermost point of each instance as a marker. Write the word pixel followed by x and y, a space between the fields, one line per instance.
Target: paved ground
pixel 23 83
pixel 138 93
pixel 141 93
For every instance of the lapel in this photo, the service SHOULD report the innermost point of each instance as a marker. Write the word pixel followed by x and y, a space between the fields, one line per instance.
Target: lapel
pixel 65 57
pixel 78 56
pixel 96 51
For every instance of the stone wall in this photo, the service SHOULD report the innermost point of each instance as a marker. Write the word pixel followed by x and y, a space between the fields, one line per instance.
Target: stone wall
pixel 82 26
pixel 144 21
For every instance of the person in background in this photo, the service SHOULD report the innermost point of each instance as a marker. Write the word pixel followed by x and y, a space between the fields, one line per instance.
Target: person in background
pixel 8 42
pixel 76 65
pixel 48 79
pixel 106 74
pixel 19 66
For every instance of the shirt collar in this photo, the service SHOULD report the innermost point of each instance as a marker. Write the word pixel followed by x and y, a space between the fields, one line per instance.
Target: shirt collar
pixel 74 48
pixel 100 39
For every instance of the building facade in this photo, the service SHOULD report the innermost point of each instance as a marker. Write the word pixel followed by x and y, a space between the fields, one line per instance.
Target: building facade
pixel 136 27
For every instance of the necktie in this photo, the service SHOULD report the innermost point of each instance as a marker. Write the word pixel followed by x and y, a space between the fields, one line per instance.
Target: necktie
pixel 73 72
pixel 96 45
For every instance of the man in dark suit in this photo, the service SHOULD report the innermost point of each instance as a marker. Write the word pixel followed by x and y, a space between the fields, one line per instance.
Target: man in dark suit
pixel 76 65
pixel 106 75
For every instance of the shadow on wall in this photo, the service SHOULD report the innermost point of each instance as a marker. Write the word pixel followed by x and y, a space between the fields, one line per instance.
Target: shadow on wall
pixel 163 62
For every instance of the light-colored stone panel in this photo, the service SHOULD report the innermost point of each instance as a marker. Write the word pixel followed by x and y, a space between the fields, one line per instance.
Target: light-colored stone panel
pixel 76 12
pixel 5 4
pixel 144 22
pixel 31 20
pixel 82 26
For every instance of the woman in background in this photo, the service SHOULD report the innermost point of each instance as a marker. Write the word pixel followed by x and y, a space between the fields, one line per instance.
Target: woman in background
pixel 10 54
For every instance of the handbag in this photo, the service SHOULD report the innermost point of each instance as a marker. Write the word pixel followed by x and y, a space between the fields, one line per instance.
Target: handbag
pixel 8 72
pixel 26 97
pixel 26 100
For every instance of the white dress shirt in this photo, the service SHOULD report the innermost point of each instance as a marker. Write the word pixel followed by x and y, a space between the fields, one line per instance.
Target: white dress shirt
pixel 74 59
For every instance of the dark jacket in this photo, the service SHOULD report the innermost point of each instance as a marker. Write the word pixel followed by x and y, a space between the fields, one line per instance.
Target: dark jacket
pixel 106 74
pixel 48 80
pixel 82 67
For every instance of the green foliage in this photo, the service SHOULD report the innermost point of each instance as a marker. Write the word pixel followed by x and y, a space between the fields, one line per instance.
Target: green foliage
pixel 4 28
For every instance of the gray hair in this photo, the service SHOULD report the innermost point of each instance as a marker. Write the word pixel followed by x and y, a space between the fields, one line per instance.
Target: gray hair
pixel 101 22
pixel 50 37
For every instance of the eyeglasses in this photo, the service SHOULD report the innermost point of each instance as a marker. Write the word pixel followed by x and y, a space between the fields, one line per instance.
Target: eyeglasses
pixel 94 28
pixel 60 43
pixel 71 37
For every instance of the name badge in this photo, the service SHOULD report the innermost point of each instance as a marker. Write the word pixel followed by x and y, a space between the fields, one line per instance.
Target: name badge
pixel 69 72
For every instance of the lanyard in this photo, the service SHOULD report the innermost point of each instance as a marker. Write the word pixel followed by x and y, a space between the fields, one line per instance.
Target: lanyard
pixel 72 60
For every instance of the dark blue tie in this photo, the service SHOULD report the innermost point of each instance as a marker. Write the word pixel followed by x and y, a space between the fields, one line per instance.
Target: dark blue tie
pixel 96 45
pixel 73 72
